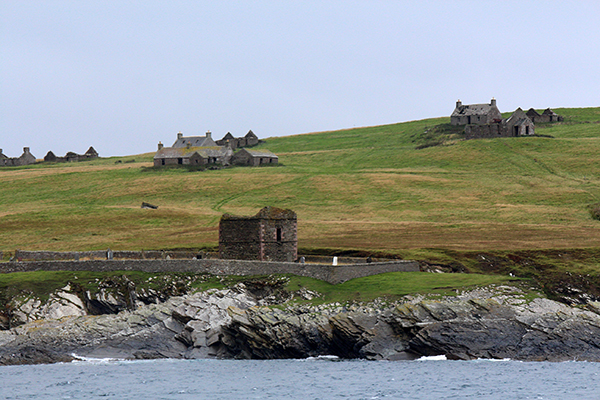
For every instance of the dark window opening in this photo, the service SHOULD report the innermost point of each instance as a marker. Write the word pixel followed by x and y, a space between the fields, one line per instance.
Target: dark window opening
pixel 180 161
pixel 279 234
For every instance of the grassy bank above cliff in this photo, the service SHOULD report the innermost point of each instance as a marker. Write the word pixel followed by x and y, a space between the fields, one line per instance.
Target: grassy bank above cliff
pixel 375 188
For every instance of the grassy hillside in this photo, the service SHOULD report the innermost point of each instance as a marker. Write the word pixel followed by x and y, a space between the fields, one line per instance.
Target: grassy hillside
pixel 397 188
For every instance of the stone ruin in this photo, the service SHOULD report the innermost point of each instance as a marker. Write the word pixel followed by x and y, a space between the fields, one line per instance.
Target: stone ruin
pixel 485 120
pixel 25 159
pixel 270 235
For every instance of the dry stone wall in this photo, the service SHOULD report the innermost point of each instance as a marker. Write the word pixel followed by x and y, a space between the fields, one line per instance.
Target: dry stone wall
pixel 330 273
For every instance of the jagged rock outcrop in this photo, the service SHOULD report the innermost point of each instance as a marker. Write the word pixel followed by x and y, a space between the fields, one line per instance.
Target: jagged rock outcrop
pixel 467 327
pixel 235 323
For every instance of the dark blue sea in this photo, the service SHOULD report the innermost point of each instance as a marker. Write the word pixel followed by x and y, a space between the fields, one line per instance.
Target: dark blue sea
pixel 321 378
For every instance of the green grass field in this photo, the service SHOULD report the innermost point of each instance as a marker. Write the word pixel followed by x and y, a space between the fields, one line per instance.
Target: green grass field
pixel 414 190
pixel 365 188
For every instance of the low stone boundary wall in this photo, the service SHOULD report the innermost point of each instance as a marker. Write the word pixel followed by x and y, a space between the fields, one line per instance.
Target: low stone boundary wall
pixel 25 255
pixel 330 273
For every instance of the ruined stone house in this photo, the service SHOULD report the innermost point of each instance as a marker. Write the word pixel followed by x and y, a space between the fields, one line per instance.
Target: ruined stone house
pixel 518 124
pixel 192 155
pixel 236 143
pixel 25 159
pixel 254 158
pixel 547 116
pixel 478 114
pixel 192 150
pixel 90 154
pixel 270 235
pixel 194 141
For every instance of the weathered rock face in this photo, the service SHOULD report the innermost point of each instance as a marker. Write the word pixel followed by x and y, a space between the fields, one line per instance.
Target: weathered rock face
pixel 461 328
pixel 235 323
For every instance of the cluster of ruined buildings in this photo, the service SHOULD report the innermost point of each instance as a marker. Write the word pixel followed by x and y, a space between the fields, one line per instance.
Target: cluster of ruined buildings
pixel 27 158
pixel 90 154
pixel 203 150
pixel 485 120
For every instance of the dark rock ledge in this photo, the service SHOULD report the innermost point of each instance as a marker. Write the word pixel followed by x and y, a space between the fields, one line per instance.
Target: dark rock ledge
pixel 487 323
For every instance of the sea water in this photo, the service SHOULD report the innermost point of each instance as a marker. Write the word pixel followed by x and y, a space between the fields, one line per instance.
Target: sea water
pixel 318 378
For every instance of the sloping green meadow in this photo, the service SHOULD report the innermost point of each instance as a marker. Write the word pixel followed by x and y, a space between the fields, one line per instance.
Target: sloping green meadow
pixel 391 188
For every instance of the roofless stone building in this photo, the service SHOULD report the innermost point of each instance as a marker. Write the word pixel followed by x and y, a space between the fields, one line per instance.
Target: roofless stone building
pixel 270 235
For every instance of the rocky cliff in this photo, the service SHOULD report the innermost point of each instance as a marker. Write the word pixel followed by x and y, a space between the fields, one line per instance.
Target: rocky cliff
pixel 251 322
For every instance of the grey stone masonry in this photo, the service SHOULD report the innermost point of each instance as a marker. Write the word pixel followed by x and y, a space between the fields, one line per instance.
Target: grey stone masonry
pixel 330 273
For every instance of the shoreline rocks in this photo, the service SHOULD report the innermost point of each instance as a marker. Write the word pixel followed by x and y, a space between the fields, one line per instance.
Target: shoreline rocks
pixel 237 323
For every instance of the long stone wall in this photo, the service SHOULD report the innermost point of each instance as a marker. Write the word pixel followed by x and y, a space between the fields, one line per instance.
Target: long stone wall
pixel 25 255
pixel 330 273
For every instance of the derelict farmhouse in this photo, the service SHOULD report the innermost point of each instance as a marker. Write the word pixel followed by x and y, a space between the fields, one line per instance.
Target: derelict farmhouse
pixel 485 120
pixel 203 150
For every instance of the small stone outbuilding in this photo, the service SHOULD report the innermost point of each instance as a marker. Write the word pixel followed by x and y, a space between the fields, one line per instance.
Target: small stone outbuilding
pixel 254 158
pixel 547 116
pixel 519 124
pixel 270 235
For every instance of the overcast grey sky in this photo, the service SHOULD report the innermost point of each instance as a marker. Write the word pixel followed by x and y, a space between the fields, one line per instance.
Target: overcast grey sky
pixel 122 75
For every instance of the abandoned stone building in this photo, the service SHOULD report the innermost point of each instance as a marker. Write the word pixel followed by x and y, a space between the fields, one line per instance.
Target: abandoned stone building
pixel 90 154
pixel 194 141
pixel 518 124
pixel 485 120
pixel 270 235
pixel 202 150
pixel 237 143
pixel 25 159
pixel 547 116
pixel 254 158
pixel 478 114
pixel 192 155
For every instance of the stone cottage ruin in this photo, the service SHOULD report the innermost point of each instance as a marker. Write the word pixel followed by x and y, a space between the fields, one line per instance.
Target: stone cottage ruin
pixel 203 150
pixel 270 235
pixel 25 159
pixel 485 120
pixel 237 143
pixel 90 154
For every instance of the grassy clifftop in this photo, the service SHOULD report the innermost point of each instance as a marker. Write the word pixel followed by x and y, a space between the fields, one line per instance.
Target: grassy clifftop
pixel 392 188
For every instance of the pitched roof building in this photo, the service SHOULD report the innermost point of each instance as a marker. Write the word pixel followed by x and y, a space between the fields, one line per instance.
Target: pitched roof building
pixel 254 157
pixel 192 155
pixel 479 114
pixel 25 159
pixel 194 141
pixel 235 143
pixel 547 116
pixel 519 124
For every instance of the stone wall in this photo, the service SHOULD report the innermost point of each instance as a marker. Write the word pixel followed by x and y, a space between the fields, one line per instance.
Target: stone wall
pixel 24 255
pixel 329 273
pixel 484 131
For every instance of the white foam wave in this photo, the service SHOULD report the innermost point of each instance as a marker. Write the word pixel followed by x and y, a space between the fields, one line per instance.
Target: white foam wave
pixel 433 358
pixel 93 360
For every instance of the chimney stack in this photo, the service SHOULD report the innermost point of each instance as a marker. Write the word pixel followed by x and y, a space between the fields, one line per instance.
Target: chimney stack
pixel 160 145
pixel 208 134
pixel 179 135
pixel 26 150
pixel 493 103
pixel 458 103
